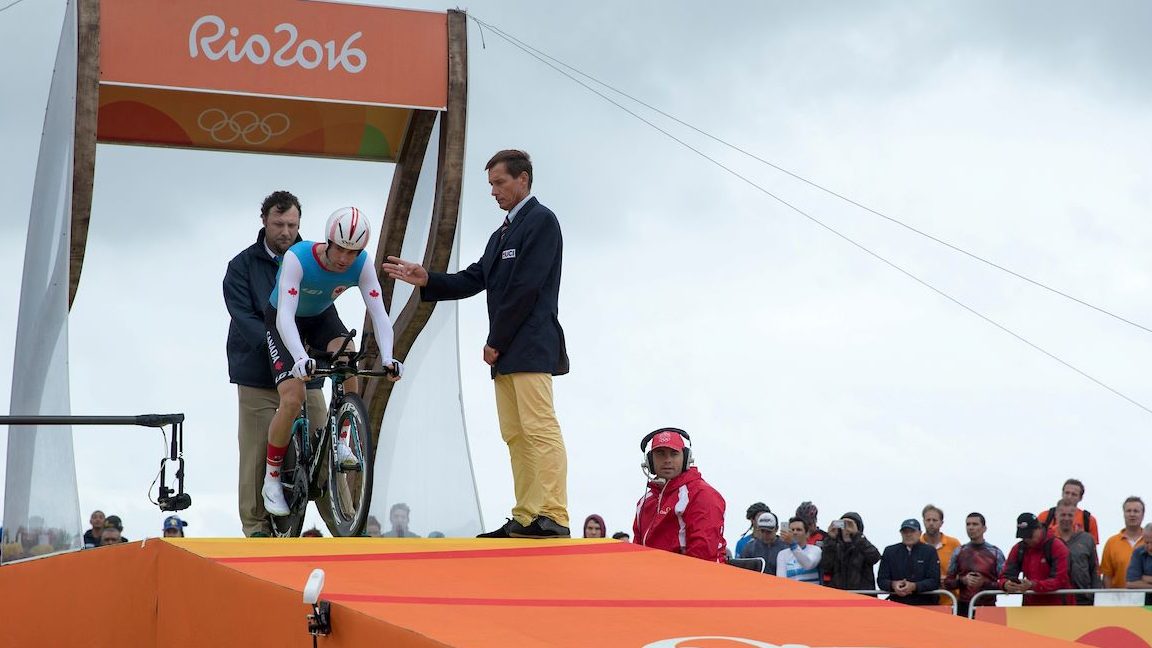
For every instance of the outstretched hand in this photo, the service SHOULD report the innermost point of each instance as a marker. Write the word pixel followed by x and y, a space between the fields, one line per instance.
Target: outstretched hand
pixel 406 271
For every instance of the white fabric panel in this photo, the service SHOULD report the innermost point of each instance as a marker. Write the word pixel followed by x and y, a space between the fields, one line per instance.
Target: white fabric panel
pixel 40 499
pixel 422 457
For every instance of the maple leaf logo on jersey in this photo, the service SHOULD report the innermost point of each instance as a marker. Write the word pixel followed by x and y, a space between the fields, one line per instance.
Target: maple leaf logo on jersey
pixel 374 293
pixel 279 365
pixel 292 291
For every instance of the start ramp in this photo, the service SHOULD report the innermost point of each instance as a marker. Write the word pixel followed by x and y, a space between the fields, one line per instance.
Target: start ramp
pixel 445 592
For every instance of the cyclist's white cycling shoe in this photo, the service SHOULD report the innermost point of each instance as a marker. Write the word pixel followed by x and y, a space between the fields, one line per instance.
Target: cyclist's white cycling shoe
pixel 345 457
pixel 274 501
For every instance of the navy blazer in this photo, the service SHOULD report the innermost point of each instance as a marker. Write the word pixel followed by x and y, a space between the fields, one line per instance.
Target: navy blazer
pixel 521 272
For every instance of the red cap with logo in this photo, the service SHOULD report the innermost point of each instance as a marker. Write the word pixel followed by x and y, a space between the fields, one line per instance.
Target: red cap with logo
pixel 668 440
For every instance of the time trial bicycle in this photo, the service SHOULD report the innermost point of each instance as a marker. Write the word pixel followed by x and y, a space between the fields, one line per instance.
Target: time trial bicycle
pixel 309 457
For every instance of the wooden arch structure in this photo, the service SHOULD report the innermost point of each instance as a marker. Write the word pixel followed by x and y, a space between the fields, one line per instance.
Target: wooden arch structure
pixel 282 77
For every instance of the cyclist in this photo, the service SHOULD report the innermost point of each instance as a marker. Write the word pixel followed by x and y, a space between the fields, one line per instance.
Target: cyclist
pixel 311 276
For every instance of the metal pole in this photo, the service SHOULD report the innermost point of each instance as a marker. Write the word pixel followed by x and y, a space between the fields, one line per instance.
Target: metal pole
pixel 144 420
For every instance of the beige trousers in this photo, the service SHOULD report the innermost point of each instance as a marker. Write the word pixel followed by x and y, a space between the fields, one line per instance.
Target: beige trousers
pixel 539 461
pixel 256 409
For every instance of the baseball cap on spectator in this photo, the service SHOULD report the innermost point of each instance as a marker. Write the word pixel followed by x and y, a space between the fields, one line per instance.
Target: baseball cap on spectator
pixel 767 520
pixel 910 523
pixel 1026 523
pixel 174 522
pixel 668 440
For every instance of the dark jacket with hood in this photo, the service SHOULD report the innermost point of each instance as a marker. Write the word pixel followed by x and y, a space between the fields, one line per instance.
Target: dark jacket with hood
pixel 848 564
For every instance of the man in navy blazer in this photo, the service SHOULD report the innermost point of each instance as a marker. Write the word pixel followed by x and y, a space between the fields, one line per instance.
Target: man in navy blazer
pixel 520 270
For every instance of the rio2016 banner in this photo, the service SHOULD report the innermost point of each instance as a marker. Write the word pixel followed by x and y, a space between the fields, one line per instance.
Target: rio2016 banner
pixel 270 76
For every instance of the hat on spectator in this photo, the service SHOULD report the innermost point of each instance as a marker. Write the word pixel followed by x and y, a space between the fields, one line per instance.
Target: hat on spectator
pixel 910 523
pixel 114 522
pixel 767 520
pixel 174 522
pixel 1026 523
pixel 668 440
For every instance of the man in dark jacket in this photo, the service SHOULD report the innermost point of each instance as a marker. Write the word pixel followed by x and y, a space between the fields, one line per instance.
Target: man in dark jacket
pixel 848 556
pixel 910 567
pixel 247 286
pixel 1083 565
pixel 765 543
pixel 520 271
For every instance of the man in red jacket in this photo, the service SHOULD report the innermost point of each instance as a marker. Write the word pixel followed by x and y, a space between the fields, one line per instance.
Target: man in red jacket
pixel 1037 564
pixel 679 512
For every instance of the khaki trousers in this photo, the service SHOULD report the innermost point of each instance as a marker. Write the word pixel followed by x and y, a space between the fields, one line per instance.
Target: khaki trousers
pixel 539 461
pixel 256 409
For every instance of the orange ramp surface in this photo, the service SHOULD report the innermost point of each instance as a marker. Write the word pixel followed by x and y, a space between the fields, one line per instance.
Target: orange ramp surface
pixel 443 592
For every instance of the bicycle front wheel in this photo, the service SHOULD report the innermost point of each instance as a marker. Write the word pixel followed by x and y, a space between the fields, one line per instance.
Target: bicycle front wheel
pixel 350 487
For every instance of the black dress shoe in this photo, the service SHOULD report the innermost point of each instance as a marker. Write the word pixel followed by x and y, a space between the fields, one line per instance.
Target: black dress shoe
pixel 504 531
pixel 542 527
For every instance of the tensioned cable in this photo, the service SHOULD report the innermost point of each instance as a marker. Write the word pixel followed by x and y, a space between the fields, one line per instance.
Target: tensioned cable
pixel 816 185
pixel 815 220
pixel 10 5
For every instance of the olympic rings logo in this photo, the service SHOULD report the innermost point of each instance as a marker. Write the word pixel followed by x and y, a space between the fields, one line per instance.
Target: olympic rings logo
pixel 245 125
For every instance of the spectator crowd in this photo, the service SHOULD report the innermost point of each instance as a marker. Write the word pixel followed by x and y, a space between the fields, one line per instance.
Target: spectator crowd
pixel 1055 549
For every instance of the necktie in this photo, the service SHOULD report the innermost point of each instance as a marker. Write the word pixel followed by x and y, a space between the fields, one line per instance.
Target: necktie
pixel 504 228
pixel 279 260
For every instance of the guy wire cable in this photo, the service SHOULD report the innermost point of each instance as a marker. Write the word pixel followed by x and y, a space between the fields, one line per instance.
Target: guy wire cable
pixel 817 221
pixel 524 46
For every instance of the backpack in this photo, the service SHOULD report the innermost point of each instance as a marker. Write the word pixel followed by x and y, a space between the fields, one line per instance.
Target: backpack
pixel 1018 567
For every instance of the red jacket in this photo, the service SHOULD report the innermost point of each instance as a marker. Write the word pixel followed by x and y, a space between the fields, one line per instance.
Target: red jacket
pixel 1046 576
pixel 684 515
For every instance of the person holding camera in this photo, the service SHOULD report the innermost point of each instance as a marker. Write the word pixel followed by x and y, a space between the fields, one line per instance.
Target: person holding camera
pixel 800 561
pixel 848 557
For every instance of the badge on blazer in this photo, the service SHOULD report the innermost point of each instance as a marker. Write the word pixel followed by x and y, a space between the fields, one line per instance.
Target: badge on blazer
pixel 508 254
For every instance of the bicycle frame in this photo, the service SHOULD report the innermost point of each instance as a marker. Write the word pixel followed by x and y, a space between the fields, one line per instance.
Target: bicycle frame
pixel 343 366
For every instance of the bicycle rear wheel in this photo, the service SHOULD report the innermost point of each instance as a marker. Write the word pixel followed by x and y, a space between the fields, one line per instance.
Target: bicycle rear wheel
pixel 294 476
pixel 350 490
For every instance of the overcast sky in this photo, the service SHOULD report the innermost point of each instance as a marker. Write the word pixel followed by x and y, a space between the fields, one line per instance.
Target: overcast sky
pixel 803 368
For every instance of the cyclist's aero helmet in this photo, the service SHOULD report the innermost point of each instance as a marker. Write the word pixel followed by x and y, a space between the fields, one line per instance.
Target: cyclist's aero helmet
pixel 348 228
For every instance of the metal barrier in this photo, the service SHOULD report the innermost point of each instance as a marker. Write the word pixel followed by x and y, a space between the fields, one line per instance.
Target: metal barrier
pixel 983 593
pixel 756 563
pixel 955 601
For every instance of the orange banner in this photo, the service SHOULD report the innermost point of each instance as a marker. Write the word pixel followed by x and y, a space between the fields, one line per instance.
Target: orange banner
pixel 1106 627
pixel 281 48
pixel 132 115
